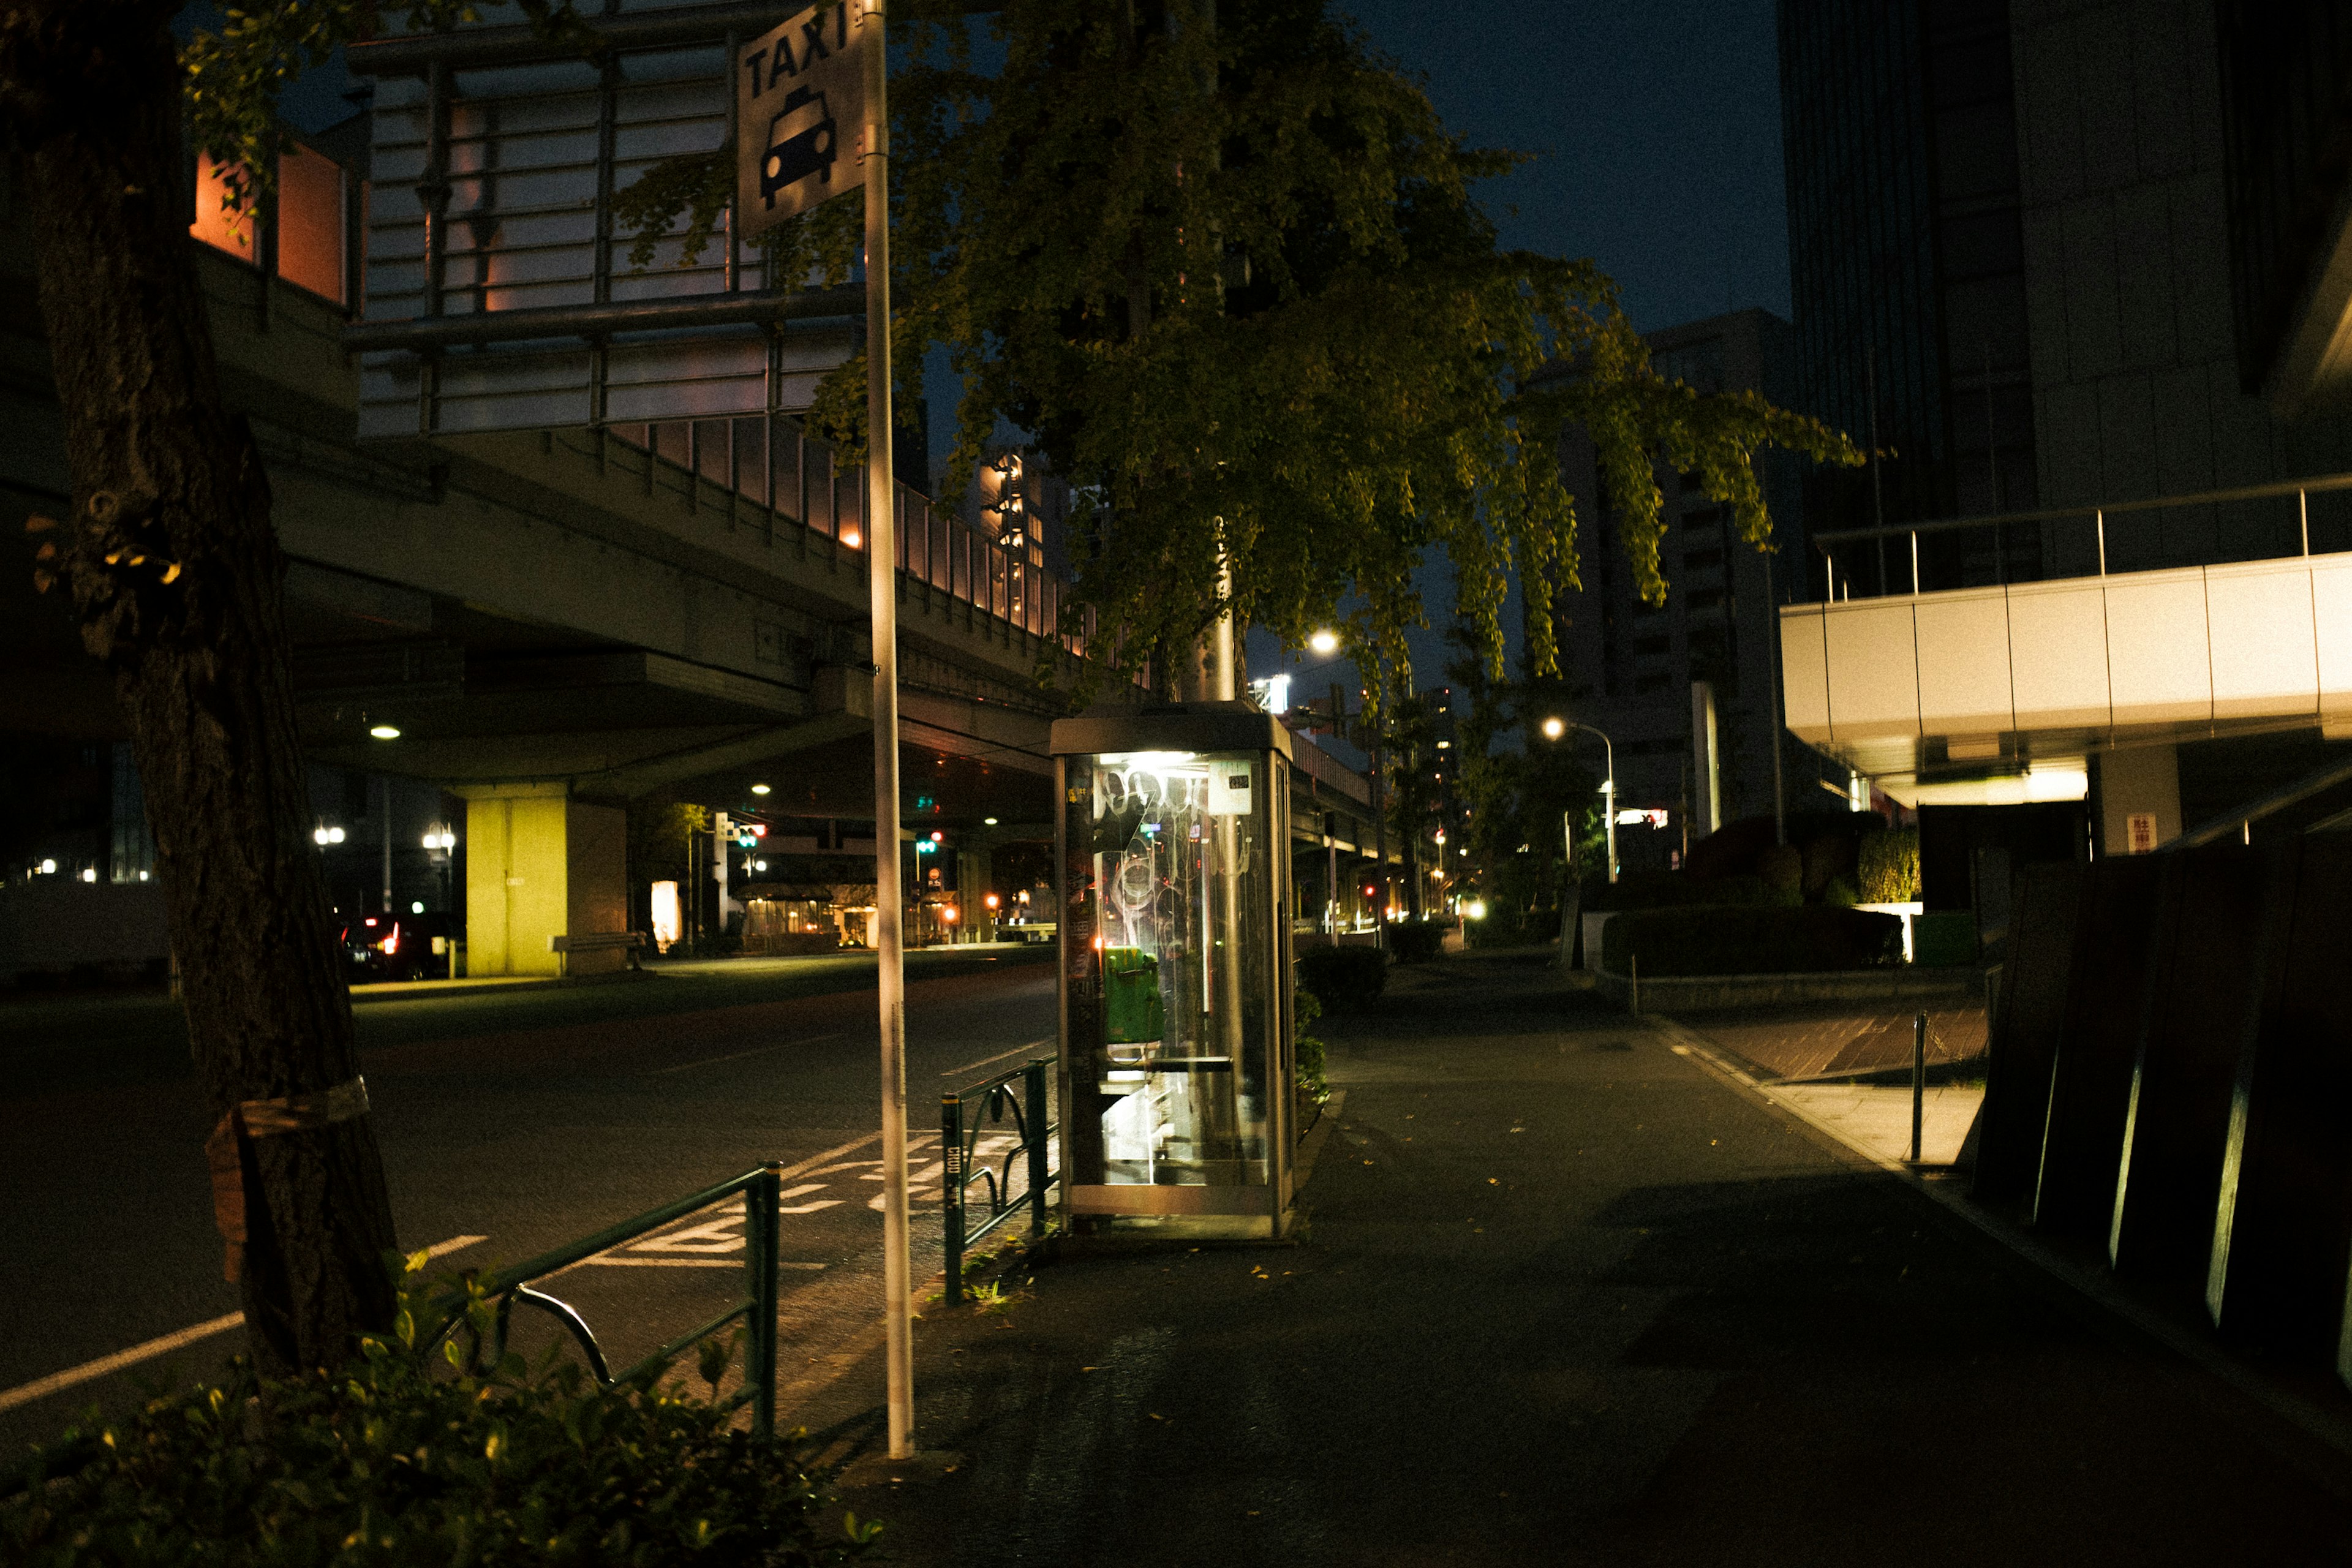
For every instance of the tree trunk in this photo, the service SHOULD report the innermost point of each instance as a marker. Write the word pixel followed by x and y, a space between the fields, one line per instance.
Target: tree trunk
pixel 176 577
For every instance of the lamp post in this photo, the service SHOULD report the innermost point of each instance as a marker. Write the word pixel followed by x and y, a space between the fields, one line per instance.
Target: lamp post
pixel 1553 730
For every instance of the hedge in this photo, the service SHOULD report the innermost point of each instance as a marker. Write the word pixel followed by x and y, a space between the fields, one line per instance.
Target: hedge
pixel 1747 940
pixel 386 1463
pixel 1416 941
pixel 1343 977
pixel 1673 890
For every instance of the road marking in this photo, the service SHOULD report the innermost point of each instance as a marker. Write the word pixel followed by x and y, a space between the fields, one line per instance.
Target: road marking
pixel 40 1388
pixel 1031 1045
pixel 738 1056
pixel 603 1261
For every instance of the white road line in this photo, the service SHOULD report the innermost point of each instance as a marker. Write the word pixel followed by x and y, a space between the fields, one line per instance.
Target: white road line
pixel 604 1261
pixel 41 1388
pixel 738 1056
pixel 1031 1045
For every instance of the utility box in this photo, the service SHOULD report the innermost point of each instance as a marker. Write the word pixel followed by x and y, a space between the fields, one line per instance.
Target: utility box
pixel 1173 882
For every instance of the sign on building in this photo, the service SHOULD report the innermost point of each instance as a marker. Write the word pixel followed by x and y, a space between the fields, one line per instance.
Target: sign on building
pixel 800 107
pixel 500 293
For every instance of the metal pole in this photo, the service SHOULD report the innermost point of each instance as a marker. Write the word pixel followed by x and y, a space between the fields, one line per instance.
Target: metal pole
pixel 951 1174
pixel 2303 516
pixel 762 1199
pixel 1609 750
pixel 1040 1149
pixel 1918 1079
pixel 1779 719
pixel 882 584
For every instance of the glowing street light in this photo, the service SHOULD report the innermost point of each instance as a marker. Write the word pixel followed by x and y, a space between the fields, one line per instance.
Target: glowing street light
pixel 323 835
pixel 1553 729
pixel 1325 641
pixel 759 789
pixel 385 732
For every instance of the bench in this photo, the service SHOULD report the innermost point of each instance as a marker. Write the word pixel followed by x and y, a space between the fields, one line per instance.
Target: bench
pixel 629 941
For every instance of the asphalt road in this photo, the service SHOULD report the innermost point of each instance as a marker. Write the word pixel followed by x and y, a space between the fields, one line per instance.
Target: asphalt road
pixel 524 1119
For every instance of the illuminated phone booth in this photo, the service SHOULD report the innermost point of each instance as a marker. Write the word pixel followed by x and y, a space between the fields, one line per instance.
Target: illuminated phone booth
pixel 1174 883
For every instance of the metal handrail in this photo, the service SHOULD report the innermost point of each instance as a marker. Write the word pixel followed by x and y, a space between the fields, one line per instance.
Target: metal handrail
pixel 762 1223
pixel 761 1189
pixel 2275 490
pixel 957 1146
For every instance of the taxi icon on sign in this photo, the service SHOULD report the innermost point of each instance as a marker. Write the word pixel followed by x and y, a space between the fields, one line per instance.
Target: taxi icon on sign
pixel 800 142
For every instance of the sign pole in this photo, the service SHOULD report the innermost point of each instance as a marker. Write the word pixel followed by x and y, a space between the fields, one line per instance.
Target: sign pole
pixel 882 569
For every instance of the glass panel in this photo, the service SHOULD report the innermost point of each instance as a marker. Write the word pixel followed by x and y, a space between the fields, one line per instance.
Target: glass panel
pixel 311 221
pixel 216 224
pixel 1167 842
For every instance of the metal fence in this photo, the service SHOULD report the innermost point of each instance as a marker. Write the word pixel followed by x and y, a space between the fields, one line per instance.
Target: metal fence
pixel 2250 522
pixel 757 1308
pixel 959 1138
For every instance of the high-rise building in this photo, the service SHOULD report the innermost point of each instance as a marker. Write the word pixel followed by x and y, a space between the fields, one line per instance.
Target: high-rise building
pixel 1646 675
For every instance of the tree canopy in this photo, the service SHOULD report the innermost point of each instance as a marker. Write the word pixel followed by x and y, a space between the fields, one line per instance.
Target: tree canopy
pixel 1231 272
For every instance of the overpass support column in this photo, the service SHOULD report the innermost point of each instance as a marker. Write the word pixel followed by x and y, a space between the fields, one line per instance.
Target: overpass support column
pixel 538 866
pixel 2139 787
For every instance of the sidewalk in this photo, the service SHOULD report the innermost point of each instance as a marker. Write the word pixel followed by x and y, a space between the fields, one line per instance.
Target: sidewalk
pixel 1571 1296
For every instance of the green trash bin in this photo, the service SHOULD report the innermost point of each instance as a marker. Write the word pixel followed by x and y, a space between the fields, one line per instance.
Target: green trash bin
pixel 1132 1013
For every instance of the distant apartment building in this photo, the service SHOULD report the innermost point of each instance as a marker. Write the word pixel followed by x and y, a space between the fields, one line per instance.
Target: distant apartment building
pixel 2058 259
pixel 1649 676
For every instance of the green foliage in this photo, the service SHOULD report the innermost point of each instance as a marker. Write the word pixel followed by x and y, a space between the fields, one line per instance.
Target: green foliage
pixel 1343 978
pixel 1889 867
pixel 1782 870
pixel 1307 1059
pixel 390 1462
pixel 1718 940
pixel 1232 278
pixel 1416 941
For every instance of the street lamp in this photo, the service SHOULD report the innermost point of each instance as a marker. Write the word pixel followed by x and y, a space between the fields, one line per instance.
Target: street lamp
pixel 1553 729
pixel 1326 641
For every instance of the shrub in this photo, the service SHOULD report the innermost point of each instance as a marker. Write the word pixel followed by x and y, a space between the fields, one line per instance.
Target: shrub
pixel 1342 977
pixel 1721 940
pixel 1671 890
pixel 1782 869
pixel 1416 941
pixel 1889 867
pixel 1306 1059
pixel 384 1462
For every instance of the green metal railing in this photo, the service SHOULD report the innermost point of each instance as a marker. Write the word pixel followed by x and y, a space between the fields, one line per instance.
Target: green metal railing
pixel 761 1190
pixel 762 1223
pixel 957 1143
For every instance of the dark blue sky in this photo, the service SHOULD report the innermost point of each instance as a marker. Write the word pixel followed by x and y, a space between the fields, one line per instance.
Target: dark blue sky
pixel 1658 126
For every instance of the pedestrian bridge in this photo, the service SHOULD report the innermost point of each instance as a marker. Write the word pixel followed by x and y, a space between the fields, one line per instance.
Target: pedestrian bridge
pixel 1997 695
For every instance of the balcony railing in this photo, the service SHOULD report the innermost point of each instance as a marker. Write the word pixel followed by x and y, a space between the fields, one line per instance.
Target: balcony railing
pixel 2250 523
pixel 788 476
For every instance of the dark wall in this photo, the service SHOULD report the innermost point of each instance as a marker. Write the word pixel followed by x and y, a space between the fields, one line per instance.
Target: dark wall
pixel 1968 853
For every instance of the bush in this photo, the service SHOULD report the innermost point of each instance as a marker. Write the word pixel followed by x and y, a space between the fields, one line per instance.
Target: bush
pixel 1671 890
pixel 1889 867
pixel 1342 977
pixel 1416 941
pixel 1306 1056
pixel 384 1462
pixel 1783 868
pixel 1736 940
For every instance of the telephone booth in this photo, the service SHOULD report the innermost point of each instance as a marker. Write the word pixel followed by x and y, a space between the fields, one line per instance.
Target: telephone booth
pixel 1173 860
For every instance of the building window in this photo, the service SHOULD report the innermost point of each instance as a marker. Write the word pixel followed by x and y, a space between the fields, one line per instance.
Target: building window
pixel 1653 645
pixel 1702 560
pixel 1706 598
pixel 312 222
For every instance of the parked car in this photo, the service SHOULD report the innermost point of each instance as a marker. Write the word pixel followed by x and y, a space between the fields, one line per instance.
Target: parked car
pixel 397 947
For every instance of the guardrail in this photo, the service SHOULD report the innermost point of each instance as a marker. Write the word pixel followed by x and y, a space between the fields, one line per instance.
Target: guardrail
pixel 758 1308
pixel 761 1191
pixel 958 1142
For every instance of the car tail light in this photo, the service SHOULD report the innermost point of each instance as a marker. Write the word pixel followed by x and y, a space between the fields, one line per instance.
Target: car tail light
pixel 391 942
